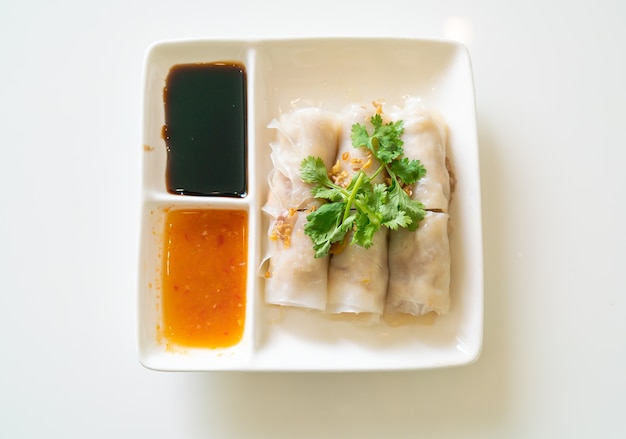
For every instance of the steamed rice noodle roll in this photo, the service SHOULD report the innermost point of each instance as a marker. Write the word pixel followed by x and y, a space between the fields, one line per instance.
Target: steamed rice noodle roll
pixel 357 277
pixel 294 276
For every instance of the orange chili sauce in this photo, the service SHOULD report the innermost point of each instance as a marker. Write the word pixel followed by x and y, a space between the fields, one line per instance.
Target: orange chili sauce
pixel 204 277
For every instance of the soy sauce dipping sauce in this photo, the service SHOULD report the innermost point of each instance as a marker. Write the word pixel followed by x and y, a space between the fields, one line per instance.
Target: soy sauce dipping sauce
pixel 205 129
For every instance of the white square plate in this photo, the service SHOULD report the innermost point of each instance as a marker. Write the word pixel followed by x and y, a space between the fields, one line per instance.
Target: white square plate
pixel 329 73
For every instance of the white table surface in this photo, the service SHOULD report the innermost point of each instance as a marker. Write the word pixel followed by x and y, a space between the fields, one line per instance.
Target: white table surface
pixel 551 105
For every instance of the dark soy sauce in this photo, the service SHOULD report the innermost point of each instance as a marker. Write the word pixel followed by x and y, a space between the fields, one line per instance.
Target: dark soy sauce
pixel 205 129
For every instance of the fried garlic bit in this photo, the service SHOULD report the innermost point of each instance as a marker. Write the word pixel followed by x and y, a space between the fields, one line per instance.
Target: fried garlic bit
pixel 379 106
pixel 338 175
pixel 356 163
pixel 283 228
pixel 408 189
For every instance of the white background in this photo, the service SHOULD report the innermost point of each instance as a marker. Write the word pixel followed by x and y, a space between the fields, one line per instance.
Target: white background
pixel 551 105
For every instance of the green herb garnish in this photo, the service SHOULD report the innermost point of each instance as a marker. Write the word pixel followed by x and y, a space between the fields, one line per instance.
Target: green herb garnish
pixel 364 206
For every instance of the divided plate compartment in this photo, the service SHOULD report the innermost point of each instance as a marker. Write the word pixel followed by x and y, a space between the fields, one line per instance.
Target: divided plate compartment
pixel 283 74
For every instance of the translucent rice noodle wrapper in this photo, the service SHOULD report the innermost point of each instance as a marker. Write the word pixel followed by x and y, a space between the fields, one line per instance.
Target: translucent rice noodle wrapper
pixel 357 277
pixel 425 139
pixel 357 280
pixel 419 268
pixel 294 277
pixel 301 133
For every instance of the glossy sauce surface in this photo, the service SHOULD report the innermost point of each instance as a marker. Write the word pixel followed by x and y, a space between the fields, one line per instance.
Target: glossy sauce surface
pixel 205 129
pixel 204 277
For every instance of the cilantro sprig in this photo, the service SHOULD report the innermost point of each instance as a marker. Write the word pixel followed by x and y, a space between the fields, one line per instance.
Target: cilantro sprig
pixel 364 206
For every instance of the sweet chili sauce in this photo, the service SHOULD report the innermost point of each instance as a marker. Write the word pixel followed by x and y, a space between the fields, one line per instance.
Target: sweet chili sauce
pixel 204 277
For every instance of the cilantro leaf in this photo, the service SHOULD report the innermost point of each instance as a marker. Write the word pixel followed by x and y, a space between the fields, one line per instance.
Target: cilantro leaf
pixel 385 141
pixel 327 193
pixel 364 231
pixel 325 226
pixel 313 170
pixel 360 137
pixel 409 171
pixel 401 202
